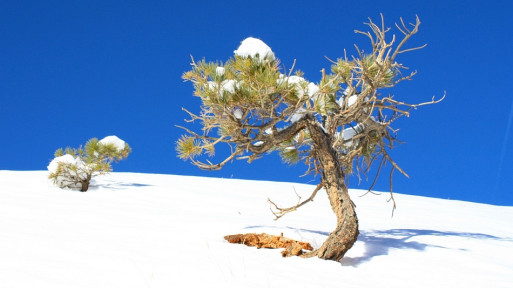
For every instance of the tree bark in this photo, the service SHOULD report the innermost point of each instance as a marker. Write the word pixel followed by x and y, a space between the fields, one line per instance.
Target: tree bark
pixel 333 178
pixel 85 183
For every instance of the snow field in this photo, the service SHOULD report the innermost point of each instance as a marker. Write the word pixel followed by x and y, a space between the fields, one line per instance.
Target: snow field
pixel 147 230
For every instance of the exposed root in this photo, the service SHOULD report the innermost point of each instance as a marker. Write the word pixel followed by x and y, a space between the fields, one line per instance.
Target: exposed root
pixel 310 254
pixel 292 247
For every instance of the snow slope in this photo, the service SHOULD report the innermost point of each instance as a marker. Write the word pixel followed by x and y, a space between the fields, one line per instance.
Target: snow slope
pixel 147 230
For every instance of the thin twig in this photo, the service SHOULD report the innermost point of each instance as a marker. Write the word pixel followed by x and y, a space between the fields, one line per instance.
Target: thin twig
pixel 280 212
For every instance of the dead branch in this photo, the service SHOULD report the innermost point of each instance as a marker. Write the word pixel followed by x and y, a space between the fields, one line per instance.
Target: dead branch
pixel 280 212
pixel 193 116
pixel 263 240
pixel 391 191
pixel 196 135
pixel 407 34
pixel 375 177
pixel 212 167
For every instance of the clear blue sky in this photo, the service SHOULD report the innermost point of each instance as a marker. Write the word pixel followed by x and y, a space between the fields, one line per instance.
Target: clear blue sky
pixel 73 70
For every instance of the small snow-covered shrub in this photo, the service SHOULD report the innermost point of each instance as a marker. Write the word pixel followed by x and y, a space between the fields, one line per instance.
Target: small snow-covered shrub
pixel 74 168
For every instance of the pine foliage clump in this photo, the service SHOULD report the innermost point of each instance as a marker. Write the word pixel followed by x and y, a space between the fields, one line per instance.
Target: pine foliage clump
pixel 74 167
pixel 252 104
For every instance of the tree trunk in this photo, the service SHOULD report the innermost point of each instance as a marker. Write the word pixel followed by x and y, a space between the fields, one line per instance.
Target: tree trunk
pixel 85 183
pixel 346 233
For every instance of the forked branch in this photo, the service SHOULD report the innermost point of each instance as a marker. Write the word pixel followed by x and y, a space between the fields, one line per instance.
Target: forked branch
pixel 279 212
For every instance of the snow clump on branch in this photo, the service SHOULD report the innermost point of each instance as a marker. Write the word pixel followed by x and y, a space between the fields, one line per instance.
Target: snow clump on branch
pixel 72 175
pixel 220 71
pixel 349 133
pixel 114 140
pixel 298 115
pixel 298 82
pixel 254 48
pixel 237 113
pixel 65 159
pixel 227 86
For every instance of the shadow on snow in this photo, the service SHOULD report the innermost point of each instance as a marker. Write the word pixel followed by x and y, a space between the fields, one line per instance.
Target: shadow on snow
pixel 115 185
pixel 379 242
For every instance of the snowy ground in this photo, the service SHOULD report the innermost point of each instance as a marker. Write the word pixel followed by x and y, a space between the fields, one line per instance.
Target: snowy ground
pixel 147 230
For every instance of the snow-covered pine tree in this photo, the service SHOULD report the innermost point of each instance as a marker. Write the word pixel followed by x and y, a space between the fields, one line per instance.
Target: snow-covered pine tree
pixel 337 126
pixel 74 167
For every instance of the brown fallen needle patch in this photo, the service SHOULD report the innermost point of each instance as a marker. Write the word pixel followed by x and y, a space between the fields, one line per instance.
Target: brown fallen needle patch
pixel 292 247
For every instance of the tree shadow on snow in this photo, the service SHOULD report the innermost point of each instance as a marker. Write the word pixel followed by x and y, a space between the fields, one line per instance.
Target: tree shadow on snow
pixel 116 185
pixel 379 242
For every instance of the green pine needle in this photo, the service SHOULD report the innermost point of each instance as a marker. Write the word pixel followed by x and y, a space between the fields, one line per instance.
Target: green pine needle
pixel 290 156
pixel 188 147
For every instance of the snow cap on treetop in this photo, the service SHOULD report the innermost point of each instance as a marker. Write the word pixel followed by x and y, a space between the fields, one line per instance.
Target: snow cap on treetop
pixel 251 47
pixel 114 140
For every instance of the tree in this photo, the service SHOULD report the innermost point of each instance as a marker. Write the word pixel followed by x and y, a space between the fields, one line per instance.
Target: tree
pixel 339 126
pixel 74 168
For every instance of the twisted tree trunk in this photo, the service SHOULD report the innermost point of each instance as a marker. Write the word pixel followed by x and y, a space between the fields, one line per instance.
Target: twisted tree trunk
pixel 333 178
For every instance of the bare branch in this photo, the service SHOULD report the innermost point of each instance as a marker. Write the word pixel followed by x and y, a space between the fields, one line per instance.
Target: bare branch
pixel 368 34
pixel 193 116
pixel 407 34
pixel 280 212
pixel 391 192
pixel 375 177
pixel 216 139
pixel 212 167
pixel 411 49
